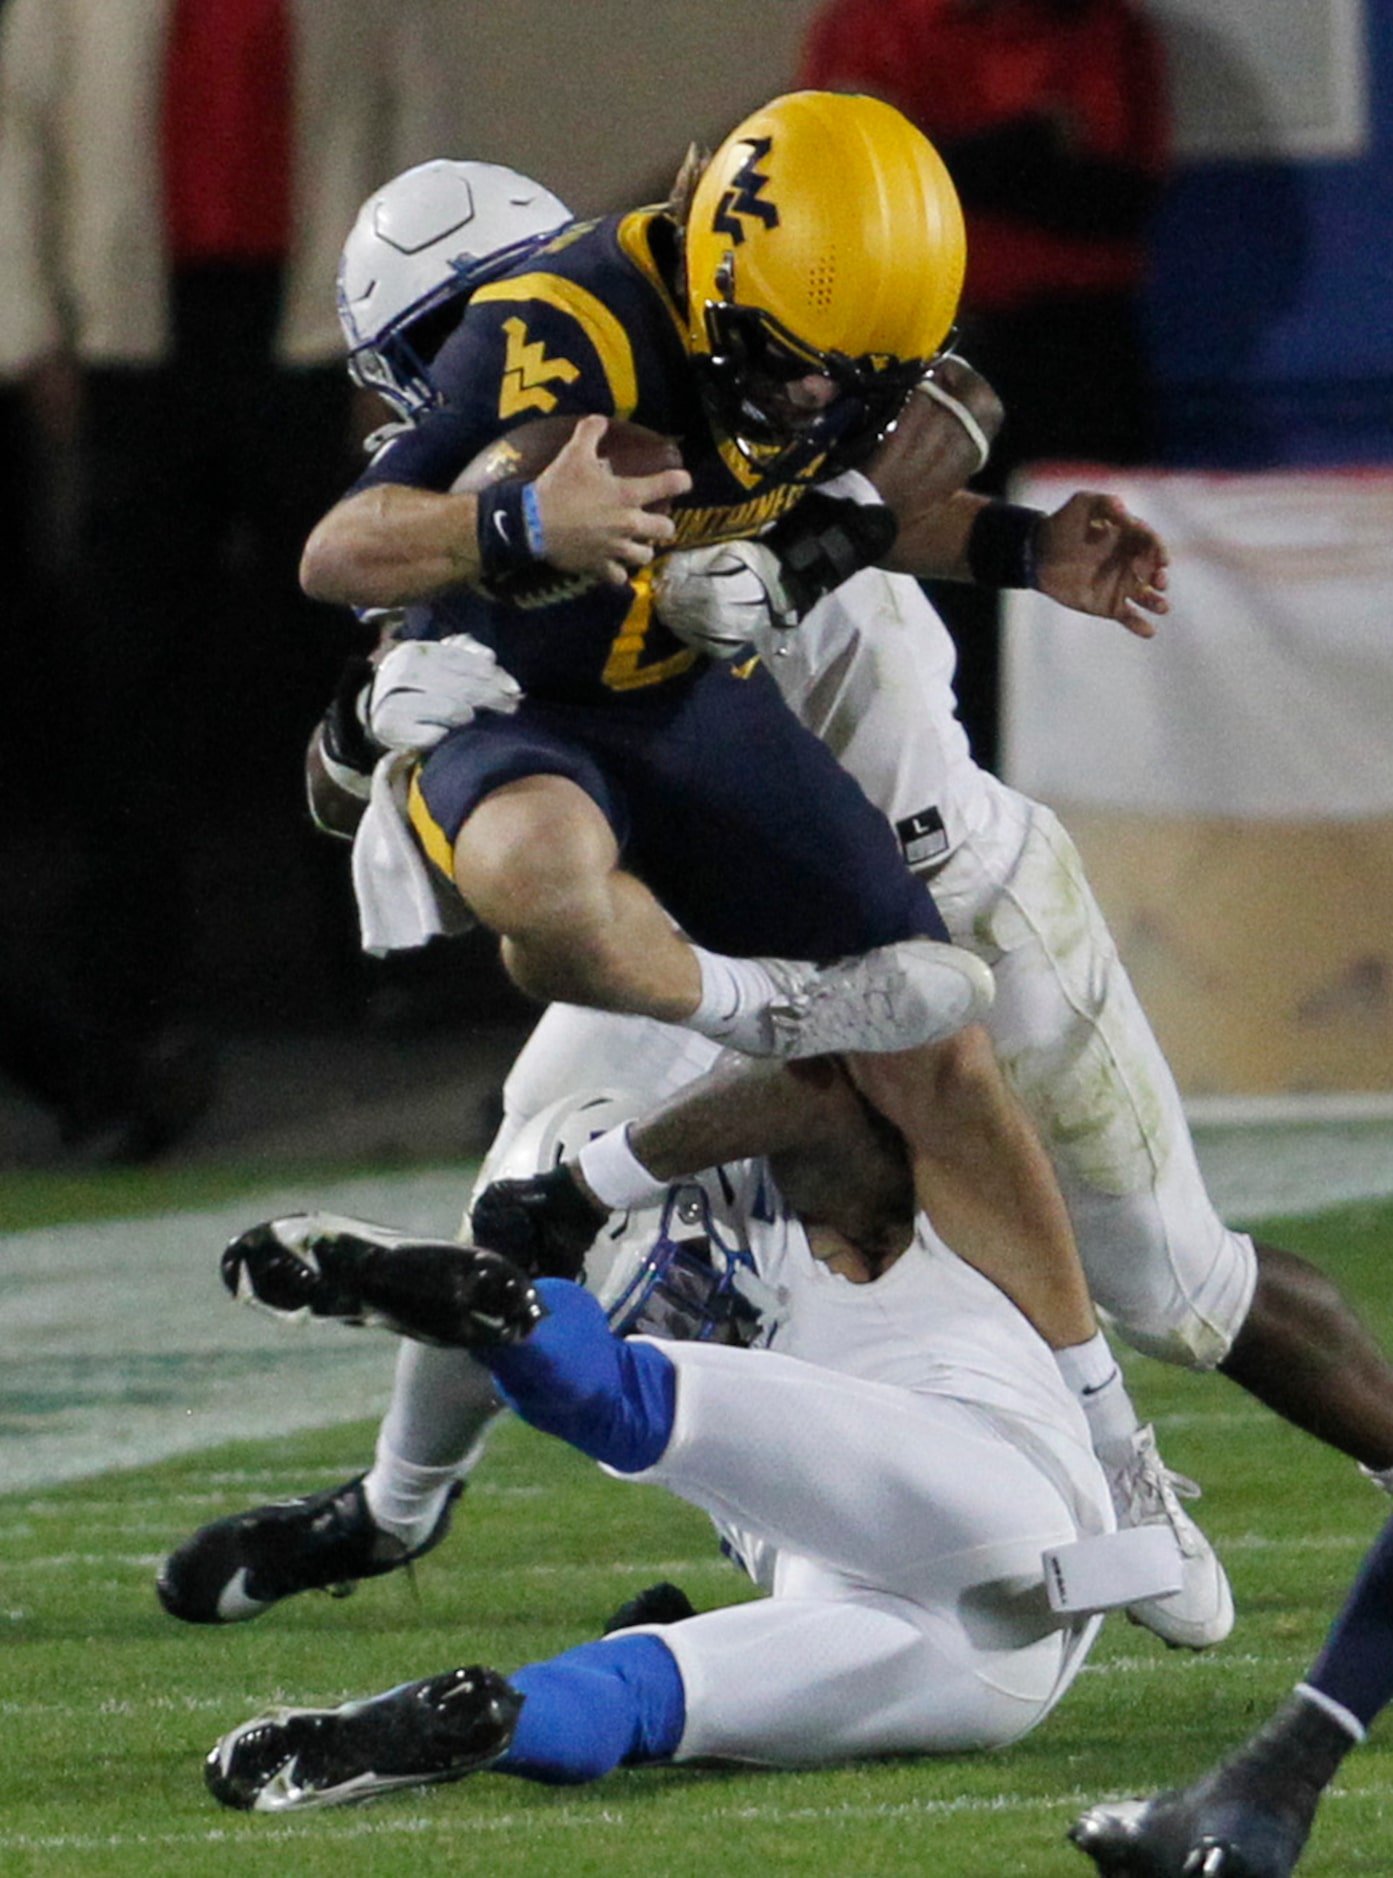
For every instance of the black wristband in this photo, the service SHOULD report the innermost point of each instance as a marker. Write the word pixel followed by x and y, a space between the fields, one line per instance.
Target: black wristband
pixel 509 530
pixel 826 540
pixel 1001 545
pixel 342 732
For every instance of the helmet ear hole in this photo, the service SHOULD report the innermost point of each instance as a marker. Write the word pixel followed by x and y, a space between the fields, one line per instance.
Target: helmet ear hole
pixel 429 333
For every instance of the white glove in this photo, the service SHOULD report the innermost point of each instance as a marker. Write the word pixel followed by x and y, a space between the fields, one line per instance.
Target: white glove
pixel 725 600
pixel 425 688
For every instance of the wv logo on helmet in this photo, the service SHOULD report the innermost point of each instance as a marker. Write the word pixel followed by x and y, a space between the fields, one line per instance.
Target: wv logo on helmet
pixel 743 196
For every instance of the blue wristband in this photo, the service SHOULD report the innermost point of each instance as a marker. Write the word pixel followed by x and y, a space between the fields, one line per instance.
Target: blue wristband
pixel 532 522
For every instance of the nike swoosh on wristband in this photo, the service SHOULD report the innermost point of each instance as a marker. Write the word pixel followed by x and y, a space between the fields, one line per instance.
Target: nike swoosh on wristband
pixel 1098 1387
pixel 500 522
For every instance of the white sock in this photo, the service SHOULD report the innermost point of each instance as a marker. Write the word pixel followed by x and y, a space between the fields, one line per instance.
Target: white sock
pixel 432 1435
pixel 407 1500
pixel 735 995
pixel 1095 1381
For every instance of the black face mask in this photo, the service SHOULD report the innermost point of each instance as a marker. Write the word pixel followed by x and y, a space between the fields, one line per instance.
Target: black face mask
pixel 745 379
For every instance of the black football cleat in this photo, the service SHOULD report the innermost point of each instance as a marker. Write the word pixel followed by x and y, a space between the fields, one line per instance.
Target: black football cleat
pixel 352 1272
pixel 1187 1835
pixel 1248 1818
pixel 236 1568
pixel 413 1736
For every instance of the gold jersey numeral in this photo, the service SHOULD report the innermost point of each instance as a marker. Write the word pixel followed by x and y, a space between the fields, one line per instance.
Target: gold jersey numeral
pixel 624 668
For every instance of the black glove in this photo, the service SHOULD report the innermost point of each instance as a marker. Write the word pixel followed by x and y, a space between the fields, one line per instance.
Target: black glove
pixel 342 733
pixel 824 541
pixel 663 1603
pixel 544 1224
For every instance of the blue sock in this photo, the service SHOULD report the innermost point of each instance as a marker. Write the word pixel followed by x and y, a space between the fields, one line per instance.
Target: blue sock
pixel 573 1377
pixel 1355 1668
pixel 594 1708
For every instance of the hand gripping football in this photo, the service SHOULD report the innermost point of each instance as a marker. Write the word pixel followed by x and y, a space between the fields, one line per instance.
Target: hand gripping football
pixel 524 452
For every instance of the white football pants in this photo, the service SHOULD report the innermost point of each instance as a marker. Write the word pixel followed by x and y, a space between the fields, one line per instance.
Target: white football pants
pixel 901 1534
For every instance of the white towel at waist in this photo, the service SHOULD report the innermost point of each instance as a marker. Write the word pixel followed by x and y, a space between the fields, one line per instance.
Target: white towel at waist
pixel 400 904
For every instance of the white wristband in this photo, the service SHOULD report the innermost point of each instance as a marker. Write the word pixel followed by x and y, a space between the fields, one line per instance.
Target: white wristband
pixel 615 1174
pixel 969 423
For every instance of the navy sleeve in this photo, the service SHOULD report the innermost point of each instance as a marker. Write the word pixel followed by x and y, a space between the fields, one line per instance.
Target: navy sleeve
pixel 507 362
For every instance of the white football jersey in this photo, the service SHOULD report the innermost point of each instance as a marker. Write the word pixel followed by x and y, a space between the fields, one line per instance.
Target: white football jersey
pixel 930 1323
pixel 870 672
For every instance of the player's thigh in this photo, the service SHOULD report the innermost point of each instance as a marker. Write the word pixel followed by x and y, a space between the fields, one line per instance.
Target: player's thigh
pixel 921 1495
pixel 758 842
pixel 827 1670
pixel 516 816
pixel 1078 1048
pixel 531 844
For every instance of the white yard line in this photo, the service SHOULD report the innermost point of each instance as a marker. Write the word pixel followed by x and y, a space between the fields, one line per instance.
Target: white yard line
pixel 1289 1157
pixel 119 1345
pixel 456 1824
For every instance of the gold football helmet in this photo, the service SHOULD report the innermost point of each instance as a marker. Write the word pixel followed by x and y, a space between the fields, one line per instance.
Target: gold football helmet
pixel 825 236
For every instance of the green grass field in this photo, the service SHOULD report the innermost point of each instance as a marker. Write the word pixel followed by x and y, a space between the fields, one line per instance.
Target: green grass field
pixel 107 1707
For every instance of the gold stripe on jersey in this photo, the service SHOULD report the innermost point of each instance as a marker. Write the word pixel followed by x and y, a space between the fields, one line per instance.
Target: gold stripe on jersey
pixel 632 236
pixel 624 670
pixel 432 836
pixel 594 318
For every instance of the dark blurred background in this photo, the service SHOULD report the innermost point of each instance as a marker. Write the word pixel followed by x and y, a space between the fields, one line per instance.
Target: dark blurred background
pixel 178 957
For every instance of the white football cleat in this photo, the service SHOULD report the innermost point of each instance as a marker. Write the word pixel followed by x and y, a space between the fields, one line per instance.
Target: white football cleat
pixel 894 998
pixel 1146 1493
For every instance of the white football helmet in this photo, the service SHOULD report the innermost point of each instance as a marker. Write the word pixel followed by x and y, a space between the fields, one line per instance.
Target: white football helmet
pixel 664 1270
pixel 419 246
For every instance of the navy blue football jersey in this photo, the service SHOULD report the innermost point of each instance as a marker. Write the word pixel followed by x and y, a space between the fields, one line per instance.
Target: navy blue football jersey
pixel 590 323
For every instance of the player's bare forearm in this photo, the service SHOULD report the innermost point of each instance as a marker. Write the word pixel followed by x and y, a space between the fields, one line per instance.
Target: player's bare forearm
pixel 982 1176
pixel 932 542
pixel 1091 555
pixel 734 1113
pixel 392 545
pixel 395 545
pixel 939 442
pixel 921 470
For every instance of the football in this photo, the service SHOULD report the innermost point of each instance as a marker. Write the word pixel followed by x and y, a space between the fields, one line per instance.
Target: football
pixel 630 450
